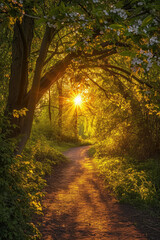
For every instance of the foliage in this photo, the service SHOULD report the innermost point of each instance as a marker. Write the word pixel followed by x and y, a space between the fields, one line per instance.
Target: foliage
pixel 106 50
pixel 132 181
pixel 22 182
pixel 126 115
pixel 76 35
pixel 91 151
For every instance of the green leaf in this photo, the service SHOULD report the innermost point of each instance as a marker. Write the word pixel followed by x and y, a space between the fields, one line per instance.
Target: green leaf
pixel 116 26
pixel 146 21
pixel 128 53
pixel 41 21
pixel 119 4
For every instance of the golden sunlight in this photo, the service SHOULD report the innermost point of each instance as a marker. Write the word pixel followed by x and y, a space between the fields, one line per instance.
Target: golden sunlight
pixel 78 100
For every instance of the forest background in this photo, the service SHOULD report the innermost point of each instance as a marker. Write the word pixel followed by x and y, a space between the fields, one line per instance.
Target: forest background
pixel 105 52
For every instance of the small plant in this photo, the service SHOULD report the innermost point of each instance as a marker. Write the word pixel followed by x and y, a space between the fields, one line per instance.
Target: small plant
pixel 132 182
pixel 22 180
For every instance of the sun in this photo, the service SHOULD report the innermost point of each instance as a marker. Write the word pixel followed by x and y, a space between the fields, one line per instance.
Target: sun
pixel 78 100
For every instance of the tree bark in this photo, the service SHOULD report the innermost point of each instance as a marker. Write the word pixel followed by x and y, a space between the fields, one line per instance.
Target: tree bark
pixel 52 76
pixel 49 107
pixel 33 97
pixel 60 101
pixel 21 47
pixel 18 96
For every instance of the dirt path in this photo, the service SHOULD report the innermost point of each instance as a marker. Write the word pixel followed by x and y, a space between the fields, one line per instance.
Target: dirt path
pixel 77 206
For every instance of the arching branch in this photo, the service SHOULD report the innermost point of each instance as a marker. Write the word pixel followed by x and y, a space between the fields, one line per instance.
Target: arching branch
pixel 55 73
pixel 126 72
pixel 95 83
pixel 108 66
pixel 52 55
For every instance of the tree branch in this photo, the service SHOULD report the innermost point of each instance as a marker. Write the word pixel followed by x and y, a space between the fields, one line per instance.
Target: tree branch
pixel 95 83
pixel 52 55
pixel 56 72
pixel 128 73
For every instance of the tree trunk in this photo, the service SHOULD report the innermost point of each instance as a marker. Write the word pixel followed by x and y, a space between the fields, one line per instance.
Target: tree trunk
pixel 21 47
pixel 18 96
pixel 49 107
pixel 60 100
pixel 33 97
pixel 35 94
pixel 76 123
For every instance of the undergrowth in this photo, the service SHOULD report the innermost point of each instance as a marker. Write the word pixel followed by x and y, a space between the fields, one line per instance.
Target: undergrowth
pixel 132 181
pixel 22 180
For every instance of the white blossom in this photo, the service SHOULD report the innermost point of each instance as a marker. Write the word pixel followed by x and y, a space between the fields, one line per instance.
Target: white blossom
pixel 149 65
pixel 72 15
pixel 95 1
pixel 139 22
pixel 147 54
pixel 153 40
pixel 158 61
pixel 82 17
pixel 120 12
pixel 51 25
pixel 118 32
pixel 155 22
pixel 133 29
pixel 105 12
pixel 110 28
pixel 140 3
pixel 53 17
pixel 83 24
pixel 150 59
pixel 136 61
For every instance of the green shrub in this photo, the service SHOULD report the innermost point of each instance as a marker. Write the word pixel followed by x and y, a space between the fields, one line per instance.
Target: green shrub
pixel 15 211
pixel 132 182
pixel 22 180
pixel 91 151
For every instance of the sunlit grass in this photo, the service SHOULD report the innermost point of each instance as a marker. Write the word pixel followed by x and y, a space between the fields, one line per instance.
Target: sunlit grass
pixel 131 181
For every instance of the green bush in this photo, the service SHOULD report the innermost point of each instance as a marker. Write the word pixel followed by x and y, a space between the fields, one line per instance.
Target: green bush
pixel 91 151
pixel 22 180
pixel 133 182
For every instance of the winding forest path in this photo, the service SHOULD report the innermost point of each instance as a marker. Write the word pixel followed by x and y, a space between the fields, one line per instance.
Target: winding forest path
pixel 77 206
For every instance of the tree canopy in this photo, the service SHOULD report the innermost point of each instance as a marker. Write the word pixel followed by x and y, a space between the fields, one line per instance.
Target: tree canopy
pixel 106 52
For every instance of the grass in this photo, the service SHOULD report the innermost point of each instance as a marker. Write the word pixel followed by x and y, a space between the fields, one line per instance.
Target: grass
pixel 134 182
pixel 64 146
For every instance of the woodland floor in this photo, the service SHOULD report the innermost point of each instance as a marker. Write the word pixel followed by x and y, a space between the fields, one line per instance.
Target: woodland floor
pixel 77 206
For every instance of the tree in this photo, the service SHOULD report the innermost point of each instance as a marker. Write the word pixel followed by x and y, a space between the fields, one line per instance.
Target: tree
pixel 81 34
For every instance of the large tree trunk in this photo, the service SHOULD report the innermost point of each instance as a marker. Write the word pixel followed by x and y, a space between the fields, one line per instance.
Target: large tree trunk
pixel 18 96
pixel 21 47
pixel 33 96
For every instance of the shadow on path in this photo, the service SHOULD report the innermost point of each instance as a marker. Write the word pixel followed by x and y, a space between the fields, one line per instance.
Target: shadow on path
pixel 77 206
